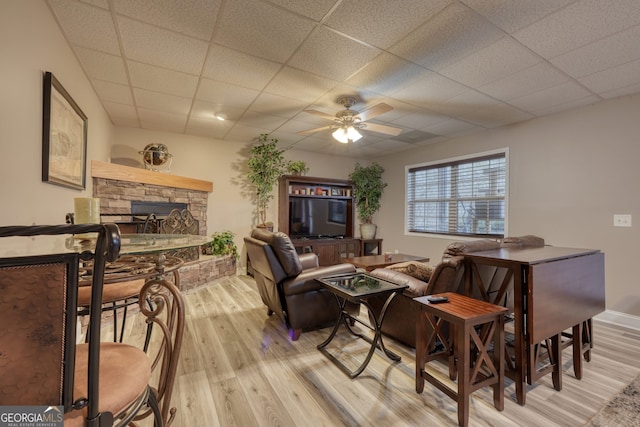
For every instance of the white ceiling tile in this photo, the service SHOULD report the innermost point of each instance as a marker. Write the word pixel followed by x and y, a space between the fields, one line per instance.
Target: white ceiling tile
pixel 156 46
pixel 496 61
pixel 602 54
pixel 121 114
pixel 211 128
pixel 430 88
pixel 512 15
pixel 158 79
pixel 152 119
pixel 450 67
pixel 86 25
pixel 260 120
pixel 614 78
pixel 452 128
pixel 162 102
pixel 206 110
pixel 277 105
pixel 102 66
pixel 246 134
pixel 382 24
pixel 299 85
pixel 225 94
pixel 386 74
pixel 525 82
pixel 113 92
pixel 261 29
pixel 227 65
pixel 480 109
pixel 550 97
pixel 564 106
pixel 626 90
pixel 314 9
pixel 194 18
pixel 330 54
pixel 578 24
pixel 447 38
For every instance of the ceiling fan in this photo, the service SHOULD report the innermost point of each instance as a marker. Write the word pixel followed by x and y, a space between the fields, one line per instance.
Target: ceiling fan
pixel 347 122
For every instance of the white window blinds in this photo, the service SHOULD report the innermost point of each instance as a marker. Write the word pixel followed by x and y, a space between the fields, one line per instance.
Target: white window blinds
pixel 462 197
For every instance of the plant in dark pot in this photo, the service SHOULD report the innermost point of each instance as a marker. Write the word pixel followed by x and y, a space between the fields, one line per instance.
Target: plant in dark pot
pixel 367 192
pixel 266 166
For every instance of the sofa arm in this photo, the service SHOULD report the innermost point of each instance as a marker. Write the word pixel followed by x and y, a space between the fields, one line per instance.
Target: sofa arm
pixel 309 260
pixel 305 281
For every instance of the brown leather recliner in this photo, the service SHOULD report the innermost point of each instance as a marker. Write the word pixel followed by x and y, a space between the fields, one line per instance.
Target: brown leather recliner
pixel 287 285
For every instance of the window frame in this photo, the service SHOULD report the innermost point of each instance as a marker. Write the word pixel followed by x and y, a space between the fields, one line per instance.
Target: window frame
pixel 460 159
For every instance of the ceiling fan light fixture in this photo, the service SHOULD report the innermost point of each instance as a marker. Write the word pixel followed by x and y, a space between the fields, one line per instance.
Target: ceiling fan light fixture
pixel 353 134
pixel 346 134
pixel 340 135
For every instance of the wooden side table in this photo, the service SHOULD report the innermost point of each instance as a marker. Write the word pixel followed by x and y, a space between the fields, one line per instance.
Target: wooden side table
pixel 369 246
pixel 466 349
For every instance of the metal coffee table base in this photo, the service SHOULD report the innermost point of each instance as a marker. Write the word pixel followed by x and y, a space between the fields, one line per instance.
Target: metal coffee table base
pixel 377 342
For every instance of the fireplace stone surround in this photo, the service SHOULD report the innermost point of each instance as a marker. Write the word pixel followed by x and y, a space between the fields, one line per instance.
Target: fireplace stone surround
pixel 117 186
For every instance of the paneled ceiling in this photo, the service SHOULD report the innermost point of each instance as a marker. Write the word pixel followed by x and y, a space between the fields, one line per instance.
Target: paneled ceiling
pixel 447 67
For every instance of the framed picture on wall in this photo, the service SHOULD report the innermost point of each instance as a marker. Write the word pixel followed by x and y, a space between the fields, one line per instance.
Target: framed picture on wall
pixel 64 137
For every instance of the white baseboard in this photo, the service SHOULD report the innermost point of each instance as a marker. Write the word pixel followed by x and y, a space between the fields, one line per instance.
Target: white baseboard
pixel 618 318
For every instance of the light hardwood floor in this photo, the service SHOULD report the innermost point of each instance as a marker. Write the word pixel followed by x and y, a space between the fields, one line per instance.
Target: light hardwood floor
pixel 239 368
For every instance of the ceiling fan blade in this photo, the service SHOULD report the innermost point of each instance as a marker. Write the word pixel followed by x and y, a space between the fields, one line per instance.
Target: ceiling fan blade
pixel 374 111
pixel 389 130
pixel 320 114
pixel 308 131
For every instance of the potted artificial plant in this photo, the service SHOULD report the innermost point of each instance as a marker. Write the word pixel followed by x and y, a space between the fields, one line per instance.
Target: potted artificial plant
pixel 367 192
pixel 297 167
pixel 266 166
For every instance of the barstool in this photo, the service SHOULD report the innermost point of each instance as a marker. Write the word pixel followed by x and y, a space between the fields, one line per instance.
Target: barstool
pixel 465 349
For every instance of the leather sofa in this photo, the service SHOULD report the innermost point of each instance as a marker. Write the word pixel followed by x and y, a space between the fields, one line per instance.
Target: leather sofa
pixel 447 276
pixel 286 282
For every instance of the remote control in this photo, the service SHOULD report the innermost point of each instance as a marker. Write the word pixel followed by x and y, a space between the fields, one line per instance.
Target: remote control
pixel 437 300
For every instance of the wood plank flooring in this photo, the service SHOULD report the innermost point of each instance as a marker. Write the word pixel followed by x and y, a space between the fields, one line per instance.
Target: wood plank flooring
pixel 239 368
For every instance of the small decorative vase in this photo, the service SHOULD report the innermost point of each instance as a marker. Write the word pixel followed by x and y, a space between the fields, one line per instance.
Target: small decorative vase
pixel 368 231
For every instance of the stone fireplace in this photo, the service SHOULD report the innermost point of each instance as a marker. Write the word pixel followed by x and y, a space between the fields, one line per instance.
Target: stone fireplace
pixel 122 188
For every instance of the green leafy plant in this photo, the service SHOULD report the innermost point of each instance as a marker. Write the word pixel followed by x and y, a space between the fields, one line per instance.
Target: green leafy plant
pixel 223 244
pixel 266 166
pixel 367 189
pixel 298 167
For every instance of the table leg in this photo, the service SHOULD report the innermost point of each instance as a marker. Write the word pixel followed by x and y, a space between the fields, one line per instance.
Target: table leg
pixel 520 336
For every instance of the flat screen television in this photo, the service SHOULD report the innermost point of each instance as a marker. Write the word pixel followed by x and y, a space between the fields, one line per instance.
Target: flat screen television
pixel 317 217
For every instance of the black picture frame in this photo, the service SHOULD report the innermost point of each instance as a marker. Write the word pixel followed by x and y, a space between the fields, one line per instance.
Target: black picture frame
pixel 64 137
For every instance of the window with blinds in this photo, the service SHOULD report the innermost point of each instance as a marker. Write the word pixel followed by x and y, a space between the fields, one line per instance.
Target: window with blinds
pixel 464 197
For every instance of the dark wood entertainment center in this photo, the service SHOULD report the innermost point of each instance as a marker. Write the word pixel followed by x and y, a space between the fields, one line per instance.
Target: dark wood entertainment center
pixel 330 251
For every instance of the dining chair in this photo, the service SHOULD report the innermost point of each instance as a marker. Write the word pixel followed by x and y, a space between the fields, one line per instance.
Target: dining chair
pixel 97 383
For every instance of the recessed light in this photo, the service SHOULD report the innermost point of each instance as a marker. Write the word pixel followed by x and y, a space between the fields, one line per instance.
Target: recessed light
pixel 220 116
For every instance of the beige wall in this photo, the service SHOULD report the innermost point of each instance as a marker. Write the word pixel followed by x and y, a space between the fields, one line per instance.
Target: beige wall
pixel 569 174
pixel 30 44
pixel 224 163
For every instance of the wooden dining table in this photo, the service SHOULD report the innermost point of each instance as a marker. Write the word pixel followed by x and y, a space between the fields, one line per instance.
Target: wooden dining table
pixel 554 289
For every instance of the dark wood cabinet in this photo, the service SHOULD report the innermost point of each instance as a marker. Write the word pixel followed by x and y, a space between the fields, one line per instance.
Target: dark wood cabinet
pixel 330 251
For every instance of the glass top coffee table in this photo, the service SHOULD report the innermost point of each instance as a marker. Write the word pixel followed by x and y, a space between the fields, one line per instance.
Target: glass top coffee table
pixel 357 288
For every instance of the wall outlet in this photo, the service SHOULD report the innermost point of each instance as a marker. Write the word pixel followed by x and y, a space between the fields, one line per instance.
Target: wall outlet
pixel 621 220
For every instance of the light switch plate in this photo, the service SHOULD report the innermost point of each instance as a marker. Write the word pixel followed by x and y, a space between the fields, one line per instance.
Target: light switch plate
pixel 621 220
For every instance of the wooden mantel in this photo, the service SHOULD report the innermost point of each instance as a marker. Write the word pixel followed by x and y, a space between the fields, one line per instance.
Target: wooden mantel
pixel 144 176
